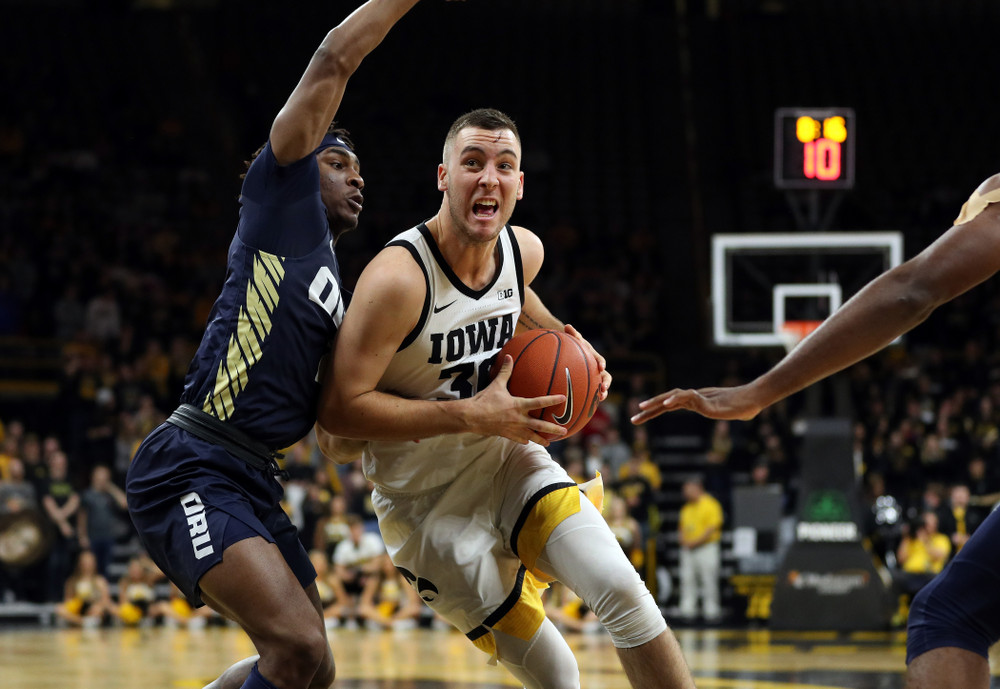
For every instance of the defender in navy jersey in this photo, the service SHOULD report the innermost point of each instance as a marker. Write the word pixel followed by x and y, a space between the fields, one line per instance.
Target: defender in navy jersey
pixel 475 517
pixel 202 489
pixel 954 620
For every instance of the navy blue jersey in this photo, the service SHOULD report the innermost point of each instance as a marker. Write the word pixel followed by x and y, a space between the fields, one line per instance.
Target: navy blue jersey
pixel 257 366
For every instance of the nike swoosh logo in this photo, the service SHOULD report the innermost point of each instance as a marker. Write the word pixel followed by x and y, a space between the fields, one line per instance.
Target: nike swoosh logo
pixel 439 309
pixel 567 414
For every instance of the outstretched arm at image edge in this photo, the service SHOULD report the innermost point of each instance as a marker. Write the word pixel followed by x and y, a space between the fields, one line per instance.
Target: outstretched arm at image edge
pixel 892 304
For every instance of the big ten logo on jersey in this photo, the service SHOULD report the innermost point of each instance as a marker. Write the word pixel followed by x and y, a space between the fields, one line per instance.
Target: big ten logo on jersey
pixel 505 293
pixel 424 587
pixel 466 342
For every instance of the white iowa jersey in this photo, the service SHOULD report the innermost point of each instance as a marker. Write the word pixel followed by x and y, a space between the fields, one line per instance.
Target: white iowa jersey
pixel 447 356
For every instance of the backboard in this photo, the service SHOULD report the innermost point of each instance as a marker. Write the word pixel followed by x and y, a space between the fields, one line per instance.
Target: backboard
pixel 762 280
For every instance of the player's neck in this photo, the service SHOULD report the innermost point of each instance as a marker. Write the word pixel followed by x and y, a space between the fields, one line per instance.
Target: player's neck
pixel 474 263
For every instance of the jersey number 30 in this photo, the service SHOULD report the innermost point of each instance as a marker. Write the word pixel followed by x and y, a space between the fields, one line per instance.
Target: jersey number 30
pixel 468 379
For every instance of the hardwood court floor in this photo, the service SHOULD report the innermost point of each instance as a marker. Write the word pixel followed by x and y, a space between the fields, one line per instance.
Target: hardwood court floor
pixel 161 658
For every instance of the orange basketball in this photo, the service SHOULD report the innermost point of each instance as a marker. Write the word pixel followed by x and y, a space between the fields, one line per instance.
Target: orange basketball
pixel 550 362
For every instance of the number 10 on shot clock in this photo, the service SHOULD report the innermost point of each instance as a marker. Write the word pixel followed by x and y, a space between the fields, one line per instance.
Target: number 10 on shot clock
pixel 814 148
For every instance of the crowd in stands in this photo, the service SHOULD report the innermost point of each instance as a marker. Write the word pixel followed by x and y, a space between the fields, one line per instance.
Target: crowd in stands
pixel 927 415
pixel 926 440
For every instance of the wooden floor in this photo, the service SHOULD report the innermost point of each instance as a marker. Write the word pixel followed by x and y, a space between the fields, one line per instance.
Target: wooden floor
pixel 163 658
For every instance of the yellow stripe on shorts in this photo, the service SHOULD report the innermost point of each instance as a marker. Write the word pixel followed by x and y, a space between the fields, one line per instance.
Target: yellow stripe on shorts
pixel 520 618
pixel 524 619
pixel 522 614
pixel 543 513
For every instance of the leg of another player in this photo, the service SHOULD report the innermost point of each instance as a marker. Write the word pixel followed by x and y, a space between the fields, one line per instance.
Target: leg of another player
pixel 955 619
pixel 583 554
pixel 235 675
pixel 254 586
pixel 948 667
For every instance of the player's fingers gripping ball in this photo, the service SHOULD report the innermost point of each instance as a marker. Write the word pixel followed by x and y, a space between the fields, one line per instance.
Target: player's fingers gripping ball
pixel 552 362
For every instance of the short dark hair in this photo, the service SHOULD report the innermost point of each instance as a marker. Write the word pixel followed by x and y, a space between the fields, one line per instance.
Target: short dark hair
pixel 695 480
pixel 490 119
pixel 333 129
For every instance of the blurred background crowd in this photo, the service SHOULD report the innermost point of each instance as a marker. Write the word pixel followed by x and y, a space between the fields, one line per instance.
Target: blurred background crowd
pixel 119 161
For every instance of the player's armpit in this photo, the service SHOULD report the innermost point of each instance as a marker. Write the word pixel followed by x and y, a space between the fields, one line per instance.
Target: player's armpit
pixel 387 304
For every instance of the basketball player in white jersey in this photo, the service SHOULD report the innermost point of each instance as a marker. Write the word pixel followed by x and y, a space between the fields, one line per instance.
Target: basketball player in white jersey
pixel 474 515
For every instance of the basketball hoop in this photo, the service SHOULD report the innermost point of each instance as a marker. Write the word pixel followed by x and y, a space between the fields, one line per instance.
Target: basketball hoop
pixel 792 332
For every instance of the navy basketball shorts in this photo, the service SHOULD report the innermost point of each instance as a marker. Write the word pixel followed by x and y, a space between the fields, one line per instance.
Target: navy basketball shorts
pixel 960 608
pixel 190 500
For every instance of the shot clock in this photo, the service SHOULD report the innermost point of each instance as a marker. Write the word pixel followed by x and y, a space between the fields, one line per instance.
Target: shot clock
pixel 814 148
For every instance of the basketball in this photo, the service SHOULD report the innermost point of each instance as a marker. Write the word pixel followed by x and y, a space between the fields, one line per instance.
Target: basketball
pixel 551 362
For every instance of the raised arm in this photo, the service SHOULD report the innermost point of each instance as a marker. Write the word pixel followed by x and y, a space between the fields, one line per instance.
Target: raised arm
pixel 385 308
pixel 892 304
pixel 305 117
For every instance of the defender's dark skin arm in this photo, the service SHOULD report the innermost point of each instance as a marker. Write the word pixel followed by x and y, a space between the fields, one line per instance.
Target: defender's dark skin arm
pixel 305 117
pixel 892 304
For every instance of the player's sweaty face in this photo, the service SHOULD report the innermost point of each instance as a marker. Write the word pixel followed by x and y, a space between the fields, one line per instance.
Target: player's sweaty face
pixel 340 187
pixel 483 180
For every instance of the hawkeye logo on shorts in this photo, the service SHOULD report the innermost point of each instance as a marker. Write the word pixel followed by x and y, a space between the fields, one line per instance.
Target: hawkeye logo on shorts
pixel 194 510
pixel 424 587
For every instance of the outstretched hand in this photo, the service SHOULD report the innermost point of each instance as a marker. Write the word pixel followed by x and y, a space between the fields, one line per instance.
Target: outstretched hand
pixel 714 403
pixel 601 362
pixel 496 412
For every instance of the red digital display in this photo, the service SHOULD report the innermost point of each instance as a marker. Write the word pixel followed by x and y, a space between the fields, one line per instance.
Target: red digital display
pixel 814 148
pixel 821 160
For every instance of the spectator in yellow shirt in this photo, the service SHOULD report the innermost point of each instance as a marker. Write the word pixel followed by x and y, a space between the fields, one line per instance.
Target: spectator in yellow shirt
pixel 636 483
pixel 699 531
pixel 640 464
pixel 922 554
